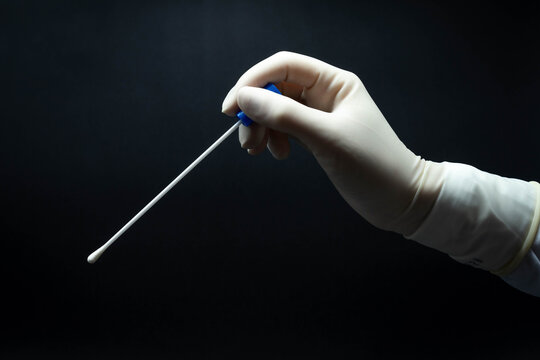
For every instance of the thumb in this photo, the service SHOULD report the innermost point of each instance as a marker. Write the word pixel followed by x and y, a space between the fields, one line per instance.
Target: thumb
pixel 280 112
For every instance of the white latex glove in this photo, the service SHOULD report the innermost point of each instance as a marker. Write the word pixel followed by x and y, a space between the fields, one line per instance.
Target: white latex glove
pixel 330 111
pixel 477 218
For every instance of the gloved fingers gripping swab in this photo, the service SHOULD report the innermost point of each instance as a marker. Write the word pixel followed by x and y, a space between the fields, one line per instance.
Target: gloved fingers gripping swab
pixel 246 121
pixel 96 254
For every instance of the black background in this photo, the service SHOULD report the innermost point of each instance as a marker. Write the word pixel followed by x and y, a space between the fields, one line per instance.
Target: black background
pixel 105 102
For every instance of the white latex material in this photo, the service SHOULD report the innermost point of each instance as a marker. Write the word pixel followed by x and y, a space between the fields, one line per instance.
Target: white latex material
pixel 526 277
pixel 332 114
pixel 479 218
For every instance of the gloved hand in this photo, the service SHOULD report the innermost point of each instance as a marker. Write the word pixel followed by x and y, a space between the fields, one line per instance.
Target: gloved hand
pixel 477 218
pixel 330 111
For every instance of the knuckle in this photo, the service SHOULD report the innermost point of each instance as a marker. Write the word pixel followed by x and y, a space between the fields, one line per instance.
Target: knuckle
pixel 351 77
pixel 283 55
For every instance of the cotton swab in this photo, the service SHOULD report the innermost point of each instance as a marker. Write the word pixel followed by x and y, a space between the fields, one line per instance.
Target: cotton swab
pixel 93 257
pixel 96 254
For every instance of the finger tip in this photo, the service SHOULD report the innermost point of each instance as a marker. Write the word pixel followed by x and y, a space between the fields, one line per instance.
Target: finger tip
pixel 229 103
pixel 248 145
pixel 255 151
pixel 228 111
pixel 227 107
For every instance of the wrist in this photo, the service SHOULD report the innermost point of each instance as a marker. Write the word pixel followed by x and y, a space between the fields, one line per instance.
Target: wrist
pixel 427 185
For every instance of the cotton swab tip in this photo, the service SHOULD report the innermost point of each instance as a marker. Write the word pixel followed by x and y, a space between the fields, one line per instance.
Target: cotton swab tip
pixel 93 257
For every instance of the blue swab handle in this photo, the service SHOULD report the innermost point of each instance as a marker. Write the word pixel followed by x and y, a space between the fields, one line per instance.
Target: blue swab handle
pixel 246 121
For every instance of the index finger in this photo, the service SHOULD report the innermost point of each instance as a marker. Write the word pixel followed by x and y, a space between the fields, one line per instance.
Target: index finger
pixel 282 66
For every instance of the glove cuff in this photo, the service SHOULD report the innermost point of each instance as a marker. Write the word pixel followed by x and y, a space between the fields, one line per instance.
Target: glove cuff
pixel 480 219
pixel 529 240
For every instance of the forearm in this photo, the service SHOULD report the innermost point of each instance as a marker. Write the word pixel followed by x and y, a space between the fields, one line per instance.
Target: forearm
pixel 478 218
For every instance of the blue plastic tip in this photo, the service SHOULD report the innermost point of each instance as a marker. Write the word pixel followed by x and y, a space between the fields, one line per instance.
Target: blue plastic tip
pixel 246 121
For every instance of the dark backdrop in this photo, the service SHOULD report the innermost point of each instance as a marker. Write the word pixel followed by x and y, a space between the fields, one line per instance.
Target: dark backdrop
pixel 105 102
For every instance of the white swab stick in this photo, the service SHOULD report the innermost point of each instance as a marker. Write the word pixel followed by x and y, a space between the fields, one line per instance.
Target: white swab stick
pixel 92 258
